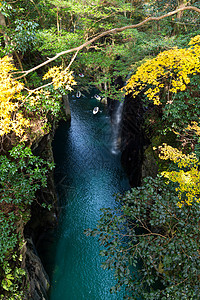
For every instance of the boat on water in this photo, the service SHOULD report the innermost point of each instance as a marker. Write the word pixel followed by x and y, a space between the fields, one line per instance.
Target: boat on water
pixel 78 94
pixel 95 110
pixel 97 97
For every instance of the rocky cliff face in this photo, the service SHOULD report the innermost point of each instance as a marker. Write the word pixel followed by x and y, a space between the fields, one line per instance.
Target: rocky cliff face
pixel 41 220
pixel 37 277
pixel 137 153
pixel 66 108
pixel 133 139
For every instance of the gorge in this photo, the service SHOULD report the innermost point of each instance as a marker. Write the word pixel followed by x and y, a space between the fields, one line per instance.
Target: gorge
pixel 147 145
pixel 87 175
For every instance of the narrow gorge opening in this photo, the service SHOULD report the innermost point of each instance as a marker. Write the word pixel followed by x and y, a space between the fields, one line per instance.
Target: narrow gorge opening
pixel 87 176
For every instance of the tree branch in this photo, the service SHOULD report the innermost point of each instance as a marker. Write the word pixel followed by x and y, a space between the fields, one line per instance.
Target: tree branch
pixel 111 31
pixel 72 60
pixel 38 88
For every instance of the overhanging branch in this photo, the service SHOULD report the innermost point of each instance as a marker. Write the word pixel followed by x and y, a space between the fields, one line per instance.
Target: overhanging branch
pixel 111 31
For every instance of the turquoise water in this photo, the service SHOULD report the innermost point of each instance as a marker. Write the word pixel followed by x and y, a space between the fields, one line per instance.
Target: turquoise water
pixel 87 175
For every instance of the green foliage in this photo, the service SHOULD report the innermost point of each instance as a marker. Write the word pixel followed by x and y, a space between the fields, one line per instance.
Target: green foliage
pixel 49 42
pixel 181 23
pixel 76 22
pixel 5 8
pixel 185 107
pixel 34 80
pixel 44 104
pixel 11 282
pixel 21 33
pixel 171 80
pixel 9 239
pixel 24 35
pixel 151 232
pixel 150 229
pixel 21 175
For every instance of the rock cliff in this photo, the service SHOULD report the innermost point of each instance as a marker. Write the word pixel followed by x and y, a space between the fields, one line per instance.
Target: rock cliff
pixel 42 219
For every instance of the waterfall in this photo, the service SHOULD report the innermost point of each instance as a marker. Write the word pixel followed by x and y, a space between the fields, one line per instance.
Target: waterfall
pixel 116 124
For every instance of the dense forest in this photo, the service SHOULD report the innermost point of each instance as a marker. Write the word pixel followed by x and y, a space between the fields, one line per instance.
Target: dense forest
pixel 153 47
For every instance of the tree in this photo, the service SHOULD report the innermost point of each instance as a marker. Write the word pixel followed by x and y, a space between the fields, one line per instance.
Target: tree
pixel 106 33
pixel 170 80
pixel 152 244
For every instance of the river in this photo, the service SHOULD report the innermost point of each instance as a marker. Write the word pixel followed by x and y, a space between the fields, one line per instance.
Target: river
pixel 87 175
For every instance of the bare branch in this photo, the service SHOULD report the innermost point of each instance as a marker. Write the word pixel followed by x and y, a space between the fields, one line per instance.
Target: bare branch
pixel 72 60
pixel 38 88
pixel 111 31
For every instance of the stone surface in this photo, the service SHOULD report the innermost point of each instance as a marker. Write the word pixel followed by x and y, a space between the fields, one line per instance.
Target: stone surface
pixel 149 165
pixel 41 220
pixel 137 153
pixel 132 139
pixel 37 277
pixel 67 110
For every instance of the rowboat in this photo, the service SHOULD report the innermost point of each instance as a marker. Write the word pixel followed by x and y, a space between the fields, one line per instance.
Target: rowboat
pixel 78 94
pixel 95 110
pixel 97 97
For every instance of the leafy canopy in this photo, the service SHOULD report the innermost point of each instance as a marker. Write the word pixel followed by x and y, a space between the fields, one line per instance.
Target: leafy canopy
pixel 170 70
pixel 22 111
pixel 11 117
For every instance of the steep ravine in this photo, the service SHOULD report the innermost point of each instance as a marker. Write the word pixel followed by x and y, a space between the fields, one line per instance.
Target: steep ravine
pixel 41 219
pixel 133 143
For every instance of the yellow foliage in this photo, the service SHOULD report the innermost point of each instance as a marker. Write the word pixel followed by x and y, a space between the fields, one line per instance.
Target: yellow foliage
pixel 60 78
pixel 170 69
pixel 187 176
pixel 11 119
pixel 194 128
pixel 195 40
pixel 177 156
pixel 14 112
pixel 35 98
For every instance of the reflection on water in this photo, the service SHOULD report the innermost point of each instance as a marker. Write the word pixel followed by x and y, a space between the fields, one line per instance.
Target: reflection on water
pixel 87 175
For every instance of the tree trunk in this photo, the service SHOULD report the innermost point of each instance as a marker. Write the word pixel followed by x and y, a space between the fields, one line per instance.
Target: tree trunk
pixel 3 27
pixel 181 4
pixel 177 27
pixel 3 31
